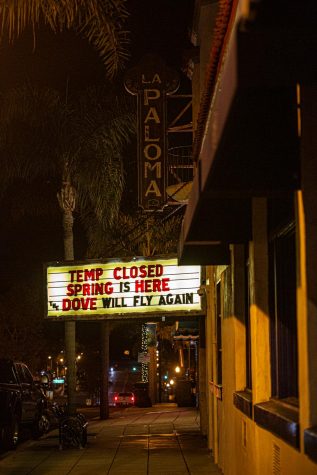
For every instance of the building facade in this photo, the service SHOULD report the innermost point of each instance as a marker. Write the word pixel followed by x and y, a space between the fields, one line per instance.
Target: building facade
pixel 252 221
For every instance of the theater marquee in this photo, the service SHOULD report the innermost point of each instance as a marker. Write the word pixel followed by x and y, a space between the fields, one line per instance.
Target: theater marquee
pixel 109 289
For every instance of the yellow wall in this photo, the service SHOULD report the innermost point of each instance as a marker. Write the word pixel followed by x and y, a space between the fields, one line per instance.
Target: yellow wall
pixel 238 444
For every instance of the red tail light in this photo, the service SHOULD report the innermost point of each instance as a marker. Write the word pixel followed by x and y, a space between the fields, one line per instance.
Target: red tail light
pixel 132 398
pixel 116 398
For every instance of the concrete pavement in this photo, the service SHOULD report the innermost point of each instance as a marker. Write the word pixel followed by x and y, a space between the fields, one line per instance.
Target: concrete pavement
pixel 162 440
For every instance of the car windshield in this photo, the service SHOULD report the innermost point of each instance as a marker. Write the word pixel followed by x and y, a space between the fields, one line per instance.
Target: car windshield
pixel 6 373
pixel 125 394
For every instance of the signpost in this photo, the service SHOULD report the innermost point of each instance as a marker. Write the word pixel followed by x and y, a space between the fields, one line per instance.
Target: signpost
pixel 144 358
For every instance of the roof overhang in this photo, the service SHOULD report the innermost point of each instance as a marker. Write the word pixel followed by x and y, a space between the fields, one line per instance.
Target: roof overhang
pixel 250 146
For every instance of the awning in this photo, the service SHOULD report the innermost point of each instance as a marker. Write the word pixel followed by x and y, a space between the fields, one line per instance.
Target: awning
pixel 210 218
pixel 251 139
pixel 250 147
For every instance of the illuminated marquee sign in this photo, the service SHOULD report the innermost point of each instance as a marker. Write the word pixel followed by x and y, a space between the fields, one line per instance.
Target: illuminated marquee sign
pixel 151 81
pixel 106 289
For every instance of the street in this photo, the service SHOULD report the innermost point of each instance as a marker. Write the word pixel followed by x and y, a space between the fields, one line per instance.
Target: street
pixel 121 381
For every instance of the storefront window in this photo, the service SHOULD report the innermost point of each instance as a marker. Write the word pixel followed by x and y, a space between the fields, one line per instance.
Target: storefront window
pixel 282 253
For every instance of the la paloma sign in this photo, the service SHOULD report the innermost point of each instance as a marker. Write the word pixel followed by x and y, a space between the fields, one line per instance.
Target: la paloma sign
pixel 94 290
pixel 151 81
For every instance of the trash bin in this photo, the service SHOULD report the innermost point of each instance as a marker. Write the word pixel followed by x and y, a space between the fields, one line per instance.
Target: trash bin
pixel 183 393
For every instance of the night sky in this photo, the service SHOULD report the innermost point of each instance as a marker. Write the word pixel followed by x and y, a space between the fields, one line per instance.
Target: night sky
pixel 158 27
pixel 65 59
pixel 155 27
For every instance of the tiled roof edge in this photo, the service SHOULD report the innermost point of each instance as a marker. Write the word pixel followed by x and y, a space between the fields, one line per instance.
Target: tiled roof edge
pixel 226 10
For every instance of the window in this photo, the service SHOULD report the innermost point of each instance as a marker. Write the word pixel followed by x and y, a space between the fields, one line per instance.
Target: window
pixel 280 414
pixel 6 373
pixel 28 378
pixel 282 267
pixel 25 377
pixel 19 370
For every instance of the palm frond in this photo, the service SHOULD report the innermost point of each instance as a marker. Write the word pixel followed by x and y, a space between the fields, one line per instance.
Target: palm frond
pixel 37 200
pixel 106 125
pixel 29 103
pixel 108 36
pixel 101 22
pixel 40 135
pixel 29 125
pixel 133 235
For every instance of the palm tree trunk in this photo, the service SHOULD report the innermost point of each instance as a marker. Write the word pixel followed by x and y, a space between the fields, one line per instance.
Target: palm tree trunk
pixel 68 222
pixel 104 399
pixel 70 327
pixel 66 199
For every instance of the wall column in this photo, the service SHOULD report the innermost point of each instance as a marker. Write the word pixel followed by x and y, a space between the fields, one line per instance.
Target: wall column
pixel 259 312
pixel 307 271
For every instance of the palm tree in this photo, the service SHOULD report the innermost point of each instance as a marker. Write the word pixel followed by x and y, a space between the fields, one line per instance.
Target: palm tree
pixel 79 142
pixel 22 326
pixel 82 144
pixel 101 22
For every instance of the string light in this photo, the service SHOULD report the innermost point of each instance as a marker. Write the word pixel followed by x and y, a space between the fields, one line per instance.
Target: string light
pixel 144 349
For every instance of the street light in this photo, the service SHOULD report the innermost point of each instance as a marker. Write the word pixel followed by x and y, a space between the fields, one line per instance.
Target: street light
pixel 60 366
pixel 49 365
pixel 177 369
pixel 171 395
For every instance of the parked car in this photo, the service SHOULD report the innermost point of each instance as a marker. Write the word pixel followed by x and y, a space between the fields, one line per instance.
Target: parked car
pixel 124 399
pixel 22 403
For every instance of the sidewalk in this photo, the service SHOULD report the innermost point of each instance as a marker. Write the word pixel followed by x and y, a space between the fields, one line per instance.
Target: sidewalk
pixel 162 440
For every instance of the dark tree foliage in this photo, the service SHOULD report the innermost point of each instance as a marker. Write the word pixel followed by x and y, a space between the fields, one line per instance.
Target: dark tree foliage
pixel 22 325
